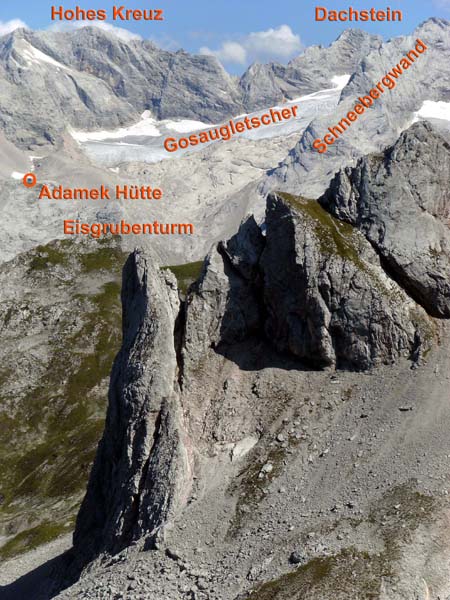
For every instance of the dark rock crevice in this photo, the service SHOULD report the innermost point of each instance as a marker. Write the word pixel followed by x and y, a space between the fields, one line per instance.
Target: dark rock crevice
pixel 178 337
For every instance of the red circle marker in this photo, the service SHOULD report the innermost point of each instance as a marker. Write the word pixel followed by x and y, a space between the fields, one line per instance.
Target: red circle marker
pixel 29 180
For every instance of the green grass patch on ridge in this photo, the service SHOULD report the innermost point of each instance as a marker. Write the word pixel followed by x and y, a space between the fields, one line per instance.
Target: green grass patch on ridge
pixel 335 236
pixel 186 274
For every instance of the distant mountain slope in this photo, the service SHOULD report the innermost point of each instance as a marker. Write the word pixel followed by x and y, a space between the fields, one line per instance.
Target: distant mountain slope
pixel 91 79
pixel 264 84
pixel 308 172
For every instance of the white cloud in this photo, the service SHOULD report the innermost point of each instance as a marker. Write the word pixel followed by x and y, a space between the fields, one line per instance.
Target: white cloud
pixel 120 32
pixel 8 26
pixel 281 43
pixel 232 52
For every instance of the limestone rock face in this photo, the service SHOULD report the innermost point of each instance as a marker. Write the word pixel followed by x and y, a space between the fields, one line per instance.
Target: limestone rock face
pixel 141 471
pixel 224 306
pixel 309 289
pixel 400 201
pixel 264 84
pixel 244 249
pixel 327 299
pixel 305 171
pixel 313 286
pixel 90 79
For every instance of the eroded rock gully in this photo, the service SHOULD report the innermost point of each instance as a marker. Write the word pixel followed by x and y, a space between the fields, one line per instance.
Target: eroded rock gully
pixel 240 415
pixel 312 289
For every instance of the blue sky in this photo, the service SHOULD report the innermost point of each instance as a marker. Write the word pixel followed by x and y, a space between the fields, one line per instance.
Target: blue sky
pixel 239 31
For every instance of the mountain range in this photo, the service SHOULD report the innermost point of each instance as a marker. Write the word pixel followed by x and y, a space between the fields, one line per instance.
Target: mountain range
pixel 276 421
pixel 91 79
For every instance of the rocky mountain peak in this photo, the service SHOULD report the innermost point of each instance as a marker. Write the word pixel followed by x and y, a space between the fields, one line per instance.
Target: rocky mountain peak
pixel 18 33
pixel 312 291
pixel 9 41
pixel 354 36
pixel 433 27
pixel 303 169
pixel 345 52
pixel 400 201
pixel 141 471
pixel 311 71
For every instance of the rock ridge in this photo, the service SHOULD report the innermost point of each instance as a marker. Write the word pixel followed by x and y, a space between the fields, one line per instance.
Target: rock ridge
pixel 312 286
pixel 399 200
pixel 104 82
pixel 308 286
